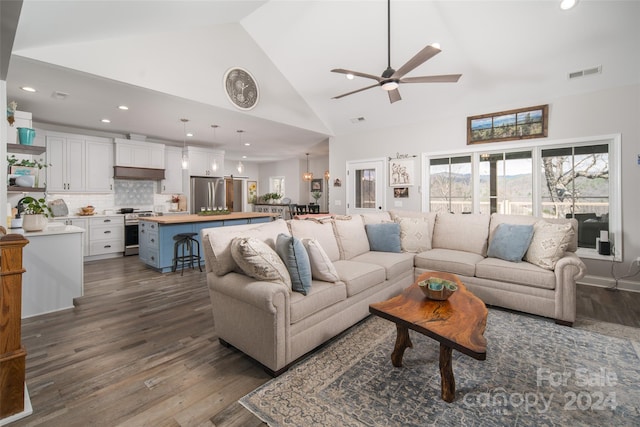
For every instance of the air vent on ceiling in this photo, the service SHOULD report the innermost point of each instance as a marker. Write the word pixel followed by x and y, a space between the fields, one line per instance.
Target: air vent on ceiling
pixel 59 95
pixel 586 72
pixel 358 120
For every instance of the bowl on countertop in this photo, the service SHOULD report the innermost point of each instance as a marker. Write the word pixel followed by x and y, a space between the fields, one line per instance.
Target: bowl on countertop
pixel 437 289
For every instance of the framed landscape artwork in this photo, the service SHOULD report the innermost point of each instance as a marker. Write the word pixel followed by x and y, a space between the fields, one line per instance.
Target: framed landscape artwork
pixel 401 172
pixel 523 123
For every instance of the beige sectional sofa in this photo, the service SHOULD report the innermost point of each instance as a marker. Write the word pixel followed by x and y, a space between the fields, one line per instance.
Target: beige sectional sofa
pixel 274 325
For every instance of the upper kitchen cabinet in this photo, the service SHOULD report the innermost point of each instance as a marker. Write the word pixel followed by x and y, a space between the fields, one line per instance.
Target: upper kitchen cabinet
pixel 139 154
pixel 172 182
pixel 203 162
pixel 79 164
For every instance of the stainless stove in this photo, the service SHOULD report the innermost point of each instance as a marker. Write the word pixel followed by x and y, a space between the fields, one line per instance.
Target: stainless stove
pixel 131 246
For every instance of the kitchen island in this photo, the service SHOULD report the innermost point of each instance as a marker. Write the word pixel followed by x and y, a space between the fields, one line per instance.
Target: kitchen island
pixel 155 234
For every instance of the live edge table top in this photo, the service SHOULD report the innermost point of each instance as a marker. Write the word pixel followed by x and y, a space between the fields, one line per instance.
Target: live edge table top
pixel 459 322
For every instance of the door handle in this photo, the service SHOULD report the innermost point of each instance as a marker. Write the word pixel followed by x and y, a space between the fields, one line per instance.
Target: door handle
pixel 107 232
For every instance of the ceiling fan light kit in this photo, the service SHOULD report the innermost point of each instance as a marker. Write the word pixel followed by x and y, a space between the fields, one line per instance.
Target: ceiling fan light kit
pixel 390 78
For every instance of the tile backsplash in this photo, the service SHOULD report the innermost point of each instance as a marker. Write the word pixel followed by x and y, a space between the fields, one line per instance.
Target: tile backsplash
pixel 133 192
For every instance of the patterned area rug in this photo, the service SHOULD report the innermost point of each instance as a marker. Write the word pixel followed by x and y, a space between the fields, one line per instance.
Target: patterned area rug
pixel 536 373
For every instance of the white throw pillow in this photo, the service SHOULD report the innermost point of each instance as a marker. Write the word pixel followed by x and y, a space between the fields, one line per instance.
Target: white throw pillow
pixel 321 266
pixel 351 236
pixel 414 234
pixel 258 260
pixel 548 244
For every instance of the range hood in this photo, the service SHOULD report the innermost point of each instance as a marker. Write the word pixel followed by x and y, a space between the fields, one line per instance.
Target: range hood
pixel 123 172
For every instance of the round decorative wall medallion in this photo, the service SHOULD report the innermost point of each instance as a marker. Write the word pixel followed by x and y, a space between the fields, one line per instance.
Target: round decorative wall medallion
pixel 241 88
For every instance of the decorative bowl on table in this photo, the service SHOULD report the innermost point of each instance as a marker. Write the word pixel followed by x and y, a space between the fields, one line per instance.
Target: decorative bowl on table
pixel 87 210
pixel 437 289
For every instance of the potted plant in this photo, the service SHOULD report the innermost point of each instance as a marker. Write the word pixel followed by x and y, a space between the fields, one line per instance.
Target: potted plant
pixel 23 165
pixel 35 214
pixel 316 195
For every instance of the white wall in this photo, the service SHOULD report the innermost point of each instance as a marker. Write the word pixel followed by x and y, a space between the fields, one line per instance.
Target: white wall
pixel 598 113
pixel 292 169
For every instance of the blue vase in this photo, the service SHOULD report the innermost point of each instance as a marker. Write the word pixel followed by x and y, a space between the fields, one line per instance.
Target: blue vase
pixel 25 136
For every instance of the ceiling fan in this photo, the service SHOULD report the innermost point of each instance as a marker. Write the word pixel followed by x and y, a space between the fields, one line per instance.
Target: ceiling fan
pixel 391 78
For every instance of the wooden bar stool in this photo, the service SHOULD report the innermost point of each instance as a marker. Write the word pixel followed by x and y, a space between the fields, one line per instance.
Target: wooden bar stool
pixel 185 244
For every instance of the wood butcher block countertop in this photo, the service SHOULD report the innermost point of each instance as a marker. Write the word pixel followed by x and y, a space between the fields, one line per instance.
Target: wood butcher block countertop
pixel 185 219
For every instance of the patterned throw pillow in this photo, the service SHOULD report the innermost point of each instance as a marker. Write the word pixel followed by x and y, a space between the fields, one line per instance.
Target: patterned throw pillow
pixel 295 258
pixel 510 242
pixel 321 266
pixel 414 234
pixel 258 260
pixel 549 243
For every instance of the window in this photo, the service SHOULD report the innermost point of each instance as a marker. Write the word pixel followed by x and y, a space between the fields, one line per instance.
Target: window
pixel 450 187
pixel 276 185
pixel 365 189
pixel 575 179
pixel 506 183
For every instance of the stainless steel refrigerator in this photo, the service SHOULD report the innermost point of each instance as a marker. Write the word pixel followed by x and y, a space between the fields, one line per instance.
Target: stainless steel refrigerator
pixel 208 193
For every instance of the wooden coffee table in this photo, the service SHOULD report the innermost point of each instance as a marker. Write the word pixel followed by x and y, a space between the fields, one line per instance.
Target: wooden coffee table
pixel 457 323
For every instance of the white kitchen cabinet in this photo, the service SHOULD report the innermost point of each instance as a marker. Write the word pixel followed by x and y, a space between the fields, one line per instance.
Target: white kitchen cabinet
pixel 106 235
pixel 139 154
pixel 99 167
pixel 66 155
pixel 81 223
pixel 172 182
pixel 203 162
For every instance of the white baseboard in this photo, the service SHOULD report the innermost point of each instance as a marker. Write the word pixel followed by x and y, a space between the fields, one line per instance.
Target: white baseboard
pixel 608 282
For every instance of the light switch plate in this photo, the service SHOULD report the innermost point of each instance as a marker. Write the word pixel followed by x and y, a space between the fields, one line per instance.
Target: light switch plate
pixel 338 202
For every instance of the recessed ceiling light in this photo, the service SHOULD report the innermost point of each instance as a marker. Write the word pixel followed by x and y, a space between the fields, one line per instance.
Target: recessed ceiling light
pixel 189 134
pixel 105 121
pixel 247 144
pixel 122 107
pixel 28 89
pixel 244 157
pixel 568 4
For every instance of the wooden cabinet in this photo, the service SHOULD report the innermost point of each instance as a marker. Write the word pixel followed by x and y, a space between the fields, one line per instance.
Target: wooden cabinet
pixel 139 154
pixel 106 235
pixel 203 162
pixel 172 183
pixel 79 164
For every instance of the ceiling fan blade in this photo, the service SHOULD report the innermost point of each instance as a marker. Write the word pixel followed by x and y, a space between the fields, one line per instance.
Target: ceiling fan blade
pixel 419 59
pixel 357 73
pixel 394 95
pixel 446 78
pixel 355 91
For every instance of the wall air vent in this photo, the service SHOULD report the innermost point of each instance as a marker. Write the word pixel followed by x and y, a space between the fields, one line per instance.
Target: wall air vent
pixel 585 72
pixel 358 120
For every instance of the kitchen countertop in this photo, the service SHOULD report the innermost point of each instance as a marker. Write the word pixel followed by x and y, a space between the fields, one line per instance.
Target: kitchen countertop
pixel 49 231
pixel 183 219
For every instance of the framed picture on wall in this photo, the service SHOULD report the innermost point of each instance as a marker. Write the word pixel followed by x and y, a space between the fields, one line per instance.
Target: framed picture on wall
pixel 316 185
pixel 252 191
pixel 523 123
pixel 401 172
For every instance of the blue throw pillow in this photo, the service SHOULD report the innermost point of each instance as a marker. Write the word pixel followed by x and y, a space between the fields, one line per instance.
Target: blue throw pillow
pixel 510 242
pixel 384 237
pixel 295 258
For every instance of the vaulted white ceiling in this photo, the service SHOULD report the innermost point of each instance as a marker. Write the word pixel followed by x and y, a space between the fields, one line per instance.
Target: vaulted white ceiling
pixel 166 60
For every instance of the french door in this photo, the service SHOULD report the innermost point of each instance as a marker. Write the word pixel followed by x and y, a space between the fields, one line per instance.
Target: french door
pixel 365 186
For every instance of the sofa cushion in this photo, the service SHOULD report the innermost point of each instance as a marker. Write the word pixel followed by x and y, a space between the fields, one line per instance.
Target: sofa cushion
pixel 220 240
pixel 415 234
pixel 521 273
pixel 359 276
pixel 549 243
pixel 449 260
pixel 295 258
pixel 321 296
pixel 320 231
pixel 321 266
pixel 428 216
pixel 258 260
pixel 394 264
pixel 351 236
pixel 383 237
pixel 510 242
pixel 497 219
pixel 461 232
pixel 376 217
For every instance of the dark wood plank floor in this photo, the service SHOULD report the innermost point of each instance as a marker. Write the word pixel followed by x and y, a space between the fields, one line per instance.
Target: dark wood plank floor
pixel 140 349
